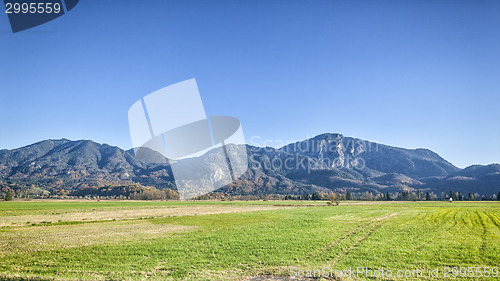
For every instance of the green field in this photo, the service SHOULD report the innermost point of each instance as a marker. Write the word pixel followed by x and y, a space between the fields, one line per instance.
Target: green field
pixel 212 240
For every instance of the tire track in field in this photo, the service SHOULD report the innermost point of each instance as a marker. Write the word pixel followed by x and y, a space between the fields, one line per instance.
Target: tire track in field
pixel 455 221
pixel 494 219
pixel 482 249
pixel 364 231
pixel 377 224
pixel 452 218
pixel 464 223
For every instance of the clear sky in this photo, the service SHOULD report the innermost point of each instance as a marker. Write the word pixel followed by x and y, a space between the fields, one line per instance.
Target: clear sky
pixel 405 73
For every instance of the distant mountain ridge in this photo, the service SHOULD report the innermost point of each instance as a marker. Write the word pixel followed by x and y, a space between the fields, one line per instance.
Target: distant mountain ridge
pixel 69 164
pixel 323 163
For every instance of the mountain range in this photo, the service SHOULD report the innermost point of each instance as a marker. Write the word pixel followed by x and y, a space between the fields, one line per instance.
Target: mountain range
pixel 320 164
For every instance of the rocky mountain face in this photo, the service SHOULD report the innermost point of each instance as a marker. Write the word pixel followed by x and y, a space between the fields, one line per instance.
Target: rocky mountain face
pixel 323 163
pixel 332 161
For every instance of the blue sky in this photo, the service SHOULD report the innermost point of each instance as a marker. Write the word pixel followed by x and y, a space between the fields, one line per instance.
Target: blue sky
pixel 404 73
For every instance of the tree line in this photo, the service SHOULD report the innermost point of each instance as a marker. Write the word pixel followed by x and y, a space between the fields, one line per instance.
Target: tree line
pixel 356 196
pixel 132 191
pixel 140 192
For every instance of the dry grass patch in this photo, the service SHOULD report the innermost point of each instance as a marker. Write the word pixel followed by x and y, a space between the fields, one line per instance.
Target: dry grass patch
pixel 39 238
pixel 141 212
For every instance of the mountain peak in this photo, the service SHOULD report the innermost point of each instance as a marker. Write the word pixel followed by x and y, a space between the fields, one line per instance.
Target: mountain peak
pixel 328 136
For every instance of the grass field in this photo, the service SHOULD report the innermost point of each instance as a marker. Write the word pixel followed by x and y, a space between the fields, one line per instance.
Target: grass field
pixel 211 240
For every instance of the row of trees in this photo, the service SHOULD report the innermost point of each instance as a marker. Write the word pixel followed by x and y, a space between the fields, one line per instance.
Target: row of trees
pixel 140 192
pixel 458 196
pixel 398 196
pixel 25 192
pixel 152 193
pixel 133 191
pixel 348 195
pixel 362 196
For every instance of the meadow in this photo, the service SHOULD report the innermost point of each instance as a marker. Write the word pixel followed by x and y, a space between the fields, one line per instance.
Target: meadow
pixel 251 240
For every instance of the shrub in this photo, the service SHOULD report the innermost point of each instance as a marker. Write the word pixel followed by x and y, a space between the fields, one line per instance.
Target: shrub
pixel 8 196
